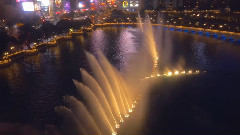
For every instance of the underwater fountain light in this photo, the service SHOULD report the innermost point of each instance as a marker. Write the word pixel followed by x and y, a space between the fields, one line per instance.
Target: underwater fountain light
pixel 117 126
pixel 176 72
pixel 114 133
pixel 169 73
pixel 126 115
pixel 130 110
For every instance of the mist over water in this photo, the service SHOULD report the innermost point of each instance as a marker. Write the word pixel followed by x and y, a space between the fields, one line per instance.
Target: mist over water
pixel 165 106
pixel 107 98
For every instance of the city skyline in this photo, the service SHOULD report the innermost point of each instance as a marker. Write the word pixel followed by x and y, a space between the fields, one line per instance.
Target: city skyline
pixel 119 67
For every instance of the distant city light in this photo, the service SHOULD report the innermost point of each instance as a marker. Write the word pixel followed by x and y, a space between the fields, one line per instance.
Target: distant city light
pixel 20 0
pixel 80 5
pixel 45 3
pixel 28 6
pixel 176 72
pixel 125 4
pixel 169 73
pixel 134 4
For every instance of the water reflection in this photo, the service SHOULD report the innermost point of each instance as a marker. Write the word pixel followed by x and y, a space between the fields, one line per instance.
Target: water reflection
pixel 127 47
pixel 116 43
pixel 98 41
pixel 33 86
pixel 199 53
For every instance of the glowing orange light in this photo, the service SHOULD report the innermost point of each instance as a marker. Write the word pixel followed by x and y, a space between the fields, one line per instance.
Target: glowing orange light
pixel 169 73
pixel 176 72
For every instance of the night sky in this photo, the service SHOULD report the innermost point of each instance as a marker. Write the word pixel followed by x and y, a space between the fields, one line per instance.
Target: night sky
pixel 235 4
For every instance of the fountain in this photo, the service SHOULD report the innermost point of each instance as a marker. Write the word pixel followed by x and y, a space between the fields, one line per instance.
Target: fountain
pixel 150 43
pixel 106 99
pixel 72 126
pixel 160 18
pixel 140 21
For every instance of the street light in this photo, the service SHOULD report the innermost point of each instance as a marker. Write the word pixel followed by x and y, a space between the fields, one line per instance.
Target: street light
pixel 6 53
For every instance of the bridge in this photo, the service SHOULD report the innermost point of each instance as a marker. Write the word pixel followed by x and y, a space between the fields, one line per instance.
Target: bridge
pixel 223 35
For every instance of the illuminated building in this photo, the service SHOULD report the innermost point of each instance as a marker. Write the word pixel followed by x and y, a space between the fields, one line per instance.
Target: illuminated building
pixel 45 7
pixel 206 4
pixel 130 5
pixel 66 6
pixel 219 4
pixel 166 4
pixel 189 4
pixel 9 10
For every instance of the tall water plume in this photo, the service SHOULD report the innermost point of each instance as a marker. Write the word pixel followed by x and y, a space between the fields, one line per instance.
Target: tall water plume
pixel 150 42
pixel 108 96
pixel 140 21
pixel 104 84
pixel 160 18
pixel 97 90
pixel 114 79
pixel 82 115
pixel 95 108
pixel 71 125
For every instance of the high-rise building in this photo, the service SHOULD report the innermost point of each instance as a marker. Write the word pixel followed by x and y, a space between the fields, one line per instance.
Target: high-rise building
pixel 189 4
pixel 168 4
pixel 9 10
pixel 174 3
pixel 160 4
pixel 219 4
pixel 206 4
pixel 130 5
pixel 148 4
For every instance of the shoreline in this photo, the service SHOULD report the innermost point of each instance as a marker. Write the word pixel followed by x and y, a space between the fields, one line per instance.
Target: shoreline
pixel 233 37
pixel 226 35
pixel 9 58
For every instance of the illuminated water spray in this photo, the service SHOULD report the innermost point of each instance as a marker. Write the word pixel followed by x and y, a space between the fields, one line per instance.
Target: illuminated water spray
pixel 140 22
pixel 106 99
pixel 150 43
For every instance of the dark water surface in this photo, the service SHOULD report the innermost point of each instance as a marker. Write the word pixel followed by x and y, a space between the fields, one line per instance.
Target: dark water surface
pixel 205 104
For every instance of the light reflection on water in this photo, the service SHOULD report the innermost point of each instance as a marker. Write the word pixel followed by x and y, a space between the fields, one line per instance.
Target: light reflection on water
pixel 36 84
pixel 98 40
pixel 201 59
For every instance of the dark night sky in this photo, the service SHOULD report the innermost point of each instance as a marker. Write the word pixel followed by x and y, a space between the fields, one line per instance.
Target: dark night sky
pixel 235 4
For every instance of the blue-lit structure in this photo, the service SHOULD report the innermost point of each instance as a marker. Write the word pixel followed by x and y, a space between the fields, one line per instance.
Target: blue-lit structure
pixel 231 39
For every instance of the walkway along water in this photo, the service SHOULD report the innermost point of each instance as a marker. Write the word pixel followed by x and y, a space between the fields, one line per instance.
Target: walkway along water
pixel 8 59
